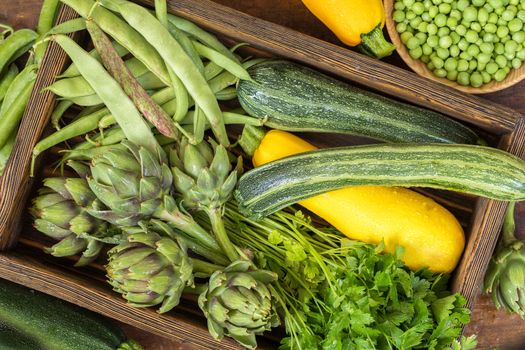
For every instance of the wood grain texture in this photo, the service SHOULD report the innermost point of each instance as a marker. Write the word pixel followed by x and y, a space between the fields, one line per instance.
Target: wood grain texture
pixel 15 182
pixel 493 327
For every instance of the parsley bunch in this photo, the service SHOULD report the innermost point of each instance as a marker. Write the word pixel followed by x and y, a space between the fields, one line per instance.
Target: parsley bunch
pixel 335 293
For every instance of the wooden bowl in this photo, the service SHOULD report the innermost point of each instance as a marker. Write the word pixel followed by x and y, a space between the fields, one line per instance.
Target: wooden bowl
pixel 418 66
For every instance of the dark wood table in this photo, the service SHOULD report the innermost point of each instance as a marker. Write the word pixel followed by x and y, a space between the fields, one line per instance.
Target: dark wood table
pixel 494 328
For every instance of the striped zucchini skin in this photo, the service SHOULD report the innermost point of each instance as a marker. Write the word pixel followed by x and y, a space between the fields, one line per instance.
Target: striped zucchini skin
pixel 296 98
pixel 476 170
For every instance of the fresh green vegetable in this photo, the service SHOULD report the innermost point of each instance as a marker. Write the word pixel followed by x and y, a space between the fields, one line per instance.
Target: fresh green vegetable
pixel 15 46
pixel 296 98
pixel 5 152
pixel 54 324
pixel 477 26
pixel 470 169
pixel 505 277
pixel 7 79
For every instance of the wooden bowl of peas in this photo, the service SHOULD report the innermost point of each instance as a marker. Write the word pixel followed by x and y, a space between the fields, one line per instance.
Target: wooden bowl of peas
pixel 476 46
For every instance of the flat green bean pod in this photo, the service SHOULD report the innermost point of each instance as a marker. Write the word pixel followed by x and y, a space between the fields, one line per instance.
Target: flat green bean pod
pixel 7 79
pixel 5 152
pixel 124 34
pixel 135 128
pixel 72 70
pixel 20 82
pixel 221 60
pixel 58 112
pixel 71 26
pixel 15 46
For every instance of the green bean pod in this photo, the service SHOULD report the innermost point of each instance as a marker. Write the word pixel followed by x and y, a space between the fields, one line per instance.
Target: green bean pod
pixel 178 61
pixel 135 128
pixel 223 61
pixel 124 34
pixel 15 103
pixel 5 152
pixel 47 16
pixel 7 79
pixel 72 70
pixel 15 46
pixel 58 112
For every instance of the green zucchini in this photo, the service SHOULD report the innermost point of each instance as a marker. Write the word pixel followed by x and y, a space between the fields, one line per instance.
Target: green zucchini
pixel 54 324
pixel 296 98
pixel 476 170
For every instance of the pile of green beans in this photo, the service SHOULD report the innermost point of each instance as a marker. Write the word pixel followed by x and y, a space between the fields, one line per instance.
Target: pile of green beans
pixel 472 42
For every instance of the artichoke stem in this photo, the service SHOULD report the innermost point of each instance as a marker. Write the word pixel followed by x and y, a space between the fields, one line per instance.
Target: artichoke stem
pixel 197 290
pixel 187 225
pixel 509 226
pixel 216 257
pixel 217 225
pixel 205 267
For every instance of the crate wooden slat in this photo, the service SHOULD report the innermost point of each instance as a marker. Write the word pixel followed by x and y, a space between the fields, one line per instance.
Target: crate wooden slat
pixel 15 185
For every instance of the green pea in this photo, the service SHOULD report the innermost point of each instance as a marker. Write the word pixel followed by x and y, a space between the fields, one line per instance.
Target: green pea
pixel 472 65
pixel 462 65
pixel 464 55
pixel 401 27
pixel 399 6
pixel 512 8
pixel 521 54
pixel 486 77
pixel 502 32
pixel 415 22
pixel 515 25
pixel 418 8
pixel 499 11
pixel 412 43
pixel 476 80
pixel 509 56
pixel 481 66
pixel 516 63
pixel 507 15
pixel 431 66
pixel 489 38
pixel 426 17
pixel 463 44
pixel 483 15
pixel 506 69
pixel 461 29
pixel 440 20
pixel 489 9
pixel 454 51
pixel 432 41
pixel 501 61
pixel 463 78
pixel 493 18
pixel 405 36
pixel 422 27
pixel 440 72
pixel 452 23
pixel 455 14
pixel 422 37
pixel 445 42
pixel 471 36
pixel 425 58
pixel 408 3
pixel 519 37
pixel 492 67
pixel 427 50
pixel 432 29
pixel 500 75
pixel 452 75
pixel 521 15
pixel 442 53
pixel 438 62
pixel 443 31
pixel 473 50
pixel 484 58
pixel 478 3
pixel 470 14
pixel 475 26
pixel 410 15
pixel 433 11
pixel 486 48
pixel 398 16
pixel 499 48
pixel 462 4
pixel 450 64
pixel 455 37
pixel 511 46
pixel 491 28
pixel 427 4
pixel 514 2
pixel 416 53
pixel 445 9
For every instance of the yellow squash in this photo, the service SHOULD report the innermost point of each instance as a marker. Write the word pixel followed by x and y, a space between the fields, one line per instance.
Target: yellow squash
pixel 431 235
pixel 355 22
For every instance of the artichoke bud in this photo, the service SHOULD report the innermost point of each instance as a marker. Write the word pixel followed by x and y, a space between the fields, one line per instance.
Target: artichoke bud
pixel 194 162
pixel 50 229
pixel 80 168
pixel 221 166
pixel 149 270
pixel 228 186
pixel 174 159
pixel 206 181
pixel 206 151
pixel 79 191
pixel 83 223
pixel 58 184
pixel 182 182
pixel 516 272
pixel 93 249
pixel 71 245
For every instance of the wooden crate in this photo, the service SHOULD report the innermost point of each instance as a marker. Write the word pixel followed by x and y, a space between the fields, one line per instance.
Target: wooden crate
pixel 25 264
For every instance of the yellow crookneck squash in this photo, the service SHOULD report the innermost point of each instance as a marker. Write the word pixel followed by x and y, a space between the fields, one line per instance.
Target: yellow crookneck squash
pixel 355 22
pixel 431 236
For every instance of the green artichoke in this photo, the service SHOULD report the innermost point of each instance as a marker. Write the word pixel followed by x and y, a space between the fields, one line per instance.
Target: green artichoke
pixel 505 277
pixel 238 303
pixel 60 212
pixel 150 270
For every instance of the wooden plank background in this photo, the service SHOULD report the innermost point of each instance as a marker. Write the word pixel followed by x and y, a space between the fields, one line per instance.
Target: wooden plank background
pixel 493 327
